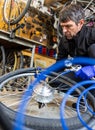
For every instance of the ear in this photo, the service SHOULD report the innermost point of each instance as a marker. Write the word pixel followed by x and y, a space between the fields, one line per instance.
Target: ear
pixel 81 22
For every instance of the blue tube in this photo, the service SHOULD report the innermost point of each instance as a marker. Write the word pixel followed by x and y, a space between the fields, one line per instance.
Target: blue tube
pixel 88 107
pixel 78 112
pixel 29 91
pixel 65 99
pixel 41 76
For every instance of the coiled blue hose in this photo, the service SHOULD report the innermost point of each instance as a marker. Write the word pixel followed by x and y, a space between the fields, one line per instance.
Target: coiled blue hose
pixel 78 112
pixel 85 97
pixel 57 66
pixel 64 103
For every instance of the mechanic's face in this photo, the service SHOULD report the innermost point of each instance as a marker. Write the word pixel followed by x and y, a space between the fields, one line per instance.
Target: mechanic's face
pixel 70 28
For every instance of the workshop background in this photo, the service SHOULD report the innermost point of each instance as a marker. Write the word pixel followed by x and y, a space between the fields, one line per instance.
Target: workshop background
pixel 29 37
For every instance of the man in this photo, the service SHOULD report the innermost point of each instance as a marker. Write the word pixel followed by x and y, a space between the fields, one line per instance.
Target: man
pixel 78 40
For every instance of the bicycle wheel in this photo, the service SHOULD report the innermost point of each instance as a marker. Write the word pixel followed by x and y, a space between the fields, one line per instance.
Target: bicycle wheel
pixel 6 124
pixel 20 61
pixel 26 61
pixel 2 60
pixel 14 60
pixel 42 111
pixel 11 61
pixel 14 10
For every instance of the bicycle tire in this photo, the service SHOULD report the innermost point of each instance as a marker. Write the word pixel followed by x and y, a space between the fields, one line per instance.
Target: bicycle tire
pixel 20 15
pixel 7 124
pixel 40 123
pixel 14 60
pixel 2 59
pixel 19 63
pixel 11 61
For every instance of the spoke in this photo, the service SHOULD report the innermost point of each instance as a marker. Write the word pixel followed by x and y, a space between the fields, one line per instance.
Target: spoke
pixel 45 100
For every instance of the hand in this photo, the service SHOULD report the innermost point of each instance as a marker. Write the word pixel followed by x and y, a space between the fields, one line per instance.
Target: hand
pixel 86 72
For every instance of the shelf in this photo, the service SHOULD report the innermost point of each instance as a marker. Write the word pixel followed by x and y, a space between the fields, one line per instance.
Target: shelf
pixel 16 42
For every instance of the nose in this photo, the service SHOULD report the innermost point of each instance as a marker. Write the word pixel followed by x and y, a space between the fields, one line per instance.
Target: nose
pixel 64 29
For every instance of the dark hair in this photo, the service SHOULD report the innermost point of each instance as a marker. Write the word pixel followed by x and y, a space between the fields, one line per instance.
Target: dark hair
pixel 72 12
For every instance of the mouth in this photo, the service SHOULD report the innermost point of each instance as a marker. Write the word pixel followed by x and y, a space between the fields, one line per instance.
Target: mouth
pixel 68 36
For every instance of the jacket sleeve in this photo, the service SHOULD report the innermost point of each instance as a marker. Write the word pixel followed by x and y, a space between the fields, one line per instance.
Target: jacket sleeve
pixel 93 35
pixel 62 50
pixel 90 36
pixel 91 48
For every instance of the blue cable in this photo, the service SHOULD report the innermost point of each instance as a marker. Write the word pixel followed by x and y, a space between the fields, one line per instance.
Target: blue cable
pixel 57 66
pixel 78 112
pixel 29 91
pixel 62 114
pixel 88 107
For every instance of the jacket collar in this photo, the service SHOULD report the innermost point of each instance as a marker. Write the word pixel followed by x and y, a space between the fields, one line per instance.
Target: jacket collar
pixel 80 33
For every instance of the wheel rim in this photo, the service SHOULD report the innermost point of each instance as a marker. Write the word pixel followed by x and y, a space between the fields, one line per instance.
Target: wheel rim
pixel 14 90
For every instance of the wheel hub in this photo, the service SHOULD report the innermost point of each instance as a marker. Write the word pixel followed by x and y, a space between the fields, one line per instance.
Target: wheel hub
pixel 43 93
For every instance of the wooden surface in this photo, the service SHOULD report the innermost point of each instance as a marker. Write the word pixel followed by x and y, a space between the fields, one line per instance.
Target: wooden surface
pixel 40 60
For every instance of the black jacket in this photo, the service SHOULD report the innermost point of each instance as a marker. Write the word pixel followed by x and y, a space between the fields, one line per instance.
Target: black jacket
pixel 79 45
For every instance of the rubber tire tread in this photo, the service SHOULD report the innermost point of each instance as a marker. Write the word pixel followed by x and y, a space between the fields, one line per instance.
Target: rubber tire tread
pixel 3 58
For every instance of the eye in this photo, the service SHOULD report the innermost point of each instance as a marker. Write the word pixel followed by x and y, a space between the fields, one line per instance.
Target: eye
pixel 68 26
